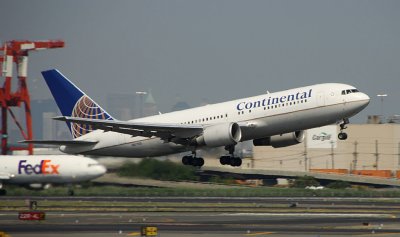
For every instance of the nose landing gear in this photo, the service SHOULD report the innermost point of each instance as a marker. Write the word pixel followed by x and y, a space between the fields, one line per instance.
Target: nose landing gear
pixel 342 135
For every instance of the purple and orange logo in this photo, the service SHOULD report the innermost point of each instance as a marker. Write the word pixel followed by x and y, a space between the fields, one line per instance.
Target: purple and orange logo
pixel 44 167
pixel 86 108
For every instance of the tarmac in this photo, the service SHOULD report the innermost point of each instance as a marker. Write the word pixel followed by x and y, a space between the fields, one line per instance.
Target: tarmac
pixel 270 217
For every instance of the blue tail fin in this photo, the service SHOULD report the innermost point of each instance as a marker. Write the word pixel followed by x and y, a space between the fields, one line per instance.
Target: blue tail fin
pixel 72 102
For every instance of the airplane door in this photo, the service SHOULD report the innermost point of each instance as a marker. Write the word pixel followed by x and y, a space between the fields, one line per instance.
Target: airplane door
pixel 321 99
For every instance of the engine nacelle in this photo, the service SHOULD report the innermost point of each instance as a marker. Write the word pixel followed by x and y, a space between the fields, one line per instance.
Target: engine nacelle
pixel 283 140
pixel 38 186
pixel 223 134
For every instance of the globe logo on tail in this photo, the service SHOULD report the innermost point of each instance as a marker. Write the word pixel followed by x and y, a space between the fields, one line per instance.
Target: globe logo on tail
pixel 86 108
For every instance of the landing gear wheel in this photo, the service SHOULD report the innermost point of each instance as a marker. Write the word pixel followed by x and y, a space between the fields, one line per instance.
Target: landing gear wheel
pixel 224 160
pixel 193 161
pixel 230 159
pixel 198 162
pixel 3 192
pixel 187 160
pixel 342 136
pixel 236 161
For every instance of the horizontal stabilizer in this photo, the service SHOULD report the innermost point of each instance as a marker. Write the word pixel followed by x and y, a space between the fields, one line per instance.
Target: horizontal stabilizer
pixel 60 143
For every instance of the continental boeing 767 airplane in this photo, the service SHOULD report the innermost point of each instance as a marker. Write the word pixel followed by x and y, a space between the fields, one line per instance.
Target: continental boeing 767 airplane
pixel 273 119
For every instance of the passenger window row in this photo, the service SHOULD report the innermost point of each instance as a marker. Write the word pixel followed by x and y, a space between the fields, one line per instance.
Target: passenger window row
pixel 205 119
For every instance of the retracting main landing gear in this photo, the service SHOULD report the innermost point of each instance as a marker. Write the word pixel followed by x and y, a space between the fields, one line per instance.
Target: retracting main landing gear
pixel 193 160
pixel 342 135
pixel 230 159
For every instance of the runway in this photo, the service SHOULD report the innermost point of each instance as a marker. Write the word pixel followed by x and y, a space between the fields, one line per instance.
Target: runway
pixel 274 219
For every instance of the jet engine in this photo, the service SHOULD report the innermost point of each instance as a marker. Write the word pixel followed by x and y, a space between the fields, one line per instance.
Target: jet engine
pixel 223 134
pixel 38 186
pixel 282 140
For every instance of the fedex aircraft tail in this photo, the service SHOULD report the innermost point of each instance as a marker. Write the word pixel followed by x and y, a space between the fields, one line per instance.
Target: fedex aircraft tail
pixel 72 102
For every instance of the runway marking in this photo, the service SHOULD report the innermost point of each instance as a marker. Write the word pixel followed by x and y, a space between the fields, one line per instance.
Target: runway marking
pixel 133 234
pixel 259 233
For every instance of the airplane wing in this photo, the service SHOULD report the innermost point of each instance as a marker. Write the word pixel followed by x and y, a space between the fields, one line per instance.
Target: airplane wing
pixel 165 131
pixel 60 143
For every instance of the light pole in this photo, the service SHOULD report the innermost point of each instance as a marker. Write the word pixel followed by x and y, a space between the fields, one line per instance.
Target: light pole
pixel 141 94
pixel 382 96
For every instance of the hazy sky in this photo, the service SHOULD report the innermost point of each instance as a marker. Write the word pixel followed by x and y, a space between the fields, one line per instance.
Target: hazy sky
pixel 212 50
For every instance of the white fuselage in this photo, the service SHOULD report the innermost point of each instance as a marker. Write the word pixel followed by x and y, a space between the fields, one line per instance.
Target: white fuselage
pixel 259 117
pixel 48 169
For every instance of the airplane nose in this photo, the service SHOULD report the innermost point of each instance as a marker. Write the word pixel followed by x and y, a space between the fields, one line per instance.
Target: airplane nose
pixel 102 169
pixel 366 98
pixel 99 170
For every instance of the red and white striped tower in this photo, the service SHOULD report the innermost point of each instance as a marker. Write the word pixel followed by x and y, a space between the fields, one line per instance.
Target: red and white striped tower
pixel 17 52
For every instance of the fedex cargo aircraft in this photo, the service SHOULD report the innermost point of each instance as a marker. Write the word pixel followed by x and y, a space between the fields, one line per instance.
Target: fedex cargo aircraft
pixel 272 119
pixel 38 171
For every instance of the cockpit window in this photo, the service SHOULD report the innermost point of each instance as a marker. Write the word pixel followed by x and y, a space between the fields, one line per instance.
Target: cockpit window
pixel 348 91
